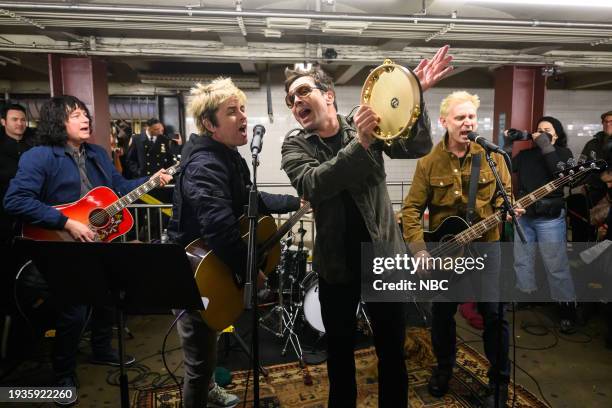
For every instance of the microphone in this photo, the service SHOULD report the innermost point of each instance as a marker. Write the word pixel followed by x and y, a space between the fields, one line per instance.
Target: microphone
pixel 487 145
pixel 257 142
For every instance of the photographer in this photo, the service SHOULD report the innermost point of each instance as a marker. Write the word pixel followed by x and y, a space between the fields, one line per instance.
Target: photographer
pixel 544 222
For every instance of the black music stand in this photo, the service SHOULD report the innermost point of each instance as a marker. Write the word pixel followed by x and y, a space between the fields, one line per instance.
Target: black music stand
pixel 120 275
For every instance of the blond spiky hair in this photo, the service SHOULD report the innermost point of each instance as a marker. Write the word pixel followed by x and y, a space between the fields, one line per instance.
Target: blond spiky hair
pixel 457 97
pixel 206 99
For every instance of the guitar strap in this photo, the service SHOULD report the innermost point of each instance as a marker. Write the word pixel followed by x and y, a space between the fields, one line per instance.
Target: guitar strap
pixel 470 212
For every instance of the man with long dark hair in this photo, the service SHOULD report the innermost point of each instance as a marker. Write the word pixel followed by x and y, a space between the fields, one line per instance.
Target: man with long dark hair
pixel 62 169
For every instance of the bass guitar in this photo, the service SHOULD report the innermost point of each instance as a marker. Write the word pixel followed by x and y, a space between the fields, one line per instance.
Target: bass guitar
pixel 100 209
pixel 215 280
pixel 454 233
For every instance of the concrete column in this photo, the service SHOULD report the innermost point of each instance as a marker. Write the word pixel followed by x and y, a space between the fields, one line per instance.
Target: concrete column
pixel 519 101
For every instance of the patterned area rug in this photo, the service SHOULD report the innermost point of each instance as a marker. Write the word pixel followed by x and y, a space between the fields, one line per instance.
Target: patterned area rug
pixel 285 385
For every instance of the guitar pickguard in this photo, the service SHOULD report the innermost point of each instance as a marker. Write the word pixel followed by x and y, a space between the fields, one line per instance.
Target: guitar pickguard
pixel 111 228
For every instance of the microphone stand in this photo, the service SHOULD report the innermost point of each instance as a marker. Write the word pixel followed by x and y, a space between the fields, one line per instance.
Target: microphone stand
pixel 507 209
pixel 250 295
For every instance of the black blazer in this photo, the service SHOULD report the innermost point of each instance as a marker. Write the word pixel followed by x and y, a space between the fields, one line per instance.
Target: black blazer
pixel 145 158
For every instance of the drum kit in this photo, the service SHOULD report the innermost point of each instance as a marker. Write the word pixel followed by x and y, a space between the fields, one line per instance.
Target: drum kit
pixel 296 288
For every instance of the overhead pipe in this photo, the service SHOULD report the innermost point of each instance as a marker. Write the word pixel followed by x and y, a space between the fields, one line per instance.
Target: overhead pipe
pixel 188 11
pixel 483 59
pixel 21 18
pixel 15 61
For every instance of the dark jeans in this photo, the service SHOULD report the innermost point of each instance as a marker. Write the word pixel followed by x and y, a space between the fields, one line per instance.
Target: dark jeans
pixel 69 327
pixel 444 338
pixel 199 344
pixel 338 309
pixel 444 331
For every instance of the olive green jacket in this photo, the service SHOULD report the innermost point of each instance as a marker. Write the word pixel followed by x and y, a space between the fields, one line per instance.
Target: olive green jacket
pixel 319 176
pixel 441 184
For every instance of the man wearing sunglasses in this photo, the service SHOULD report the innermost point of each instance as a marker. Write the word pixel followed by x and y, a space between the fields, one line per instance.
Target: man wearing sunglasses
pixel 336 164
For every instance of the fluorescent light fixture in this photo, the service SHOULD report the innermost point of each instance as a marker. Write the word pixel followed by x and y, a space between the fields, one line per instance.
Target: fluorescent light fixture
pixel 554 3
pixel 349 27
pixel 198 29
pixel 290 23
pixel 272 33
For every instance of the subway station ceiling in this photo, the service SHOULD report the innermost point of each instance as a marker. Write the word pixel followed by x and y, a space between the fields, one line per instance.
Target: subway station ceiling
pixel 171 43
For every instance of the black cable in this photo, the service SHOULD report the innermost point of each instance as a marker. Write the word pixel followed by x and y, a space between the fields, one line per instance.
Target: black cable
pixel 550 346
pixel 140 360
pixel 515 365
pixel 164 357
pixel 552 328
pixel 536 383
pixel 141 381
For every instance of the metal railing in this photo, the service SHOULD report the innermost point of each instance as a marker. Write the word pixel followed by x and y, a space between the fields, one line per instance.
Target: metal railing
pixel 150 221
pixel 397 190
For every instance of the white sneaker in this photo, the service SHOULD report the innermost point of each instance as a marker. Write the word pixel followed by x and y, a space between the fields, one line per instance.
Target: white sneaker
pixel 220 398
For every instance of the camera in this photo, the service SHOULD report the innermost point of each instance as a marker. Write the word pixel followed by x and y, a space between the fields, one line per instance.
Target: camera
pixel 513 135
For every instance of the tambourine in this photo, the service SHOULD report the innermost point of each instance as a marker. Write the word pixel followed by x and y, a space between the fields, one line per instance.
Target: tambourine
pixel 395 94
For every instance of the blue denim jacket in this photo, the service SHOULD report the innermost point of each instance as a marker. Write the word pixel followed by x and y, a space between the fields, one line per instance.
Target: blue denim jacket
pixel 47 176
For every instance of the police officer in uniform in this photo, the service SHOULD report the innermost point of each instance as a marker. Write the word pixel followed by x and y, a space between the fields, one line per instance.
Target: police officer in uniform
pixel 149 152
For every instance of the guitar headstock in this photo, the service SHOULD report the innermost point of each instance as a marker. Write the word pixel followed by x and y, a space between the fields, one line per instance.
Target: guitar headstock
pixel 580 168
pixel 174 168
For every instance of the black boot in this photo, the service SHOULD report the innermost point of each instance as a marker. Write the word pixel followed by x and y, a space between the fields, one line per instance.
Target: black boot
pixel 567 317
pixel 438 382
pixel 489 401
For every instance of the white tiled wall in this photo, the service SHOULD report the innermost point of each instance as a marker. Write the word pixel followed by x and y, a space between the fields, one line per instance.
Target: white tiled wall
pixel 578 110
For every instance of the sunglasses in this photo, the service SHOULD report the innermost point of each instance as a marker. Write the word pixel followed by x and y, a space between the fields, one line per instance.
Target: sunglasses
pixel 302 91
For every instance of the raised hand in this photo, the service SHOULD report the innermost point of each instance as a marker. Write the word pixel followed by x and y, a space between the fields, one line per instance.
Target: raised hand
pixel 430 72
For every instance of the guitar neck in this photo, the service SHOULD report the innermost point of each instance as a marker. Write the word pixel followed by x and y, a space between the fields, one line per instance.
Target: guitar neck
pixel 138 192
pixel 481 227
pixel 283 229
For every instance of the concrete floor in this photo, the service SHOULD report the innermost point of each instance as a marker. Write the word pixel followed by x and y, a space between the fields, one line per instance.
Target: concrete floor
pixel 572 371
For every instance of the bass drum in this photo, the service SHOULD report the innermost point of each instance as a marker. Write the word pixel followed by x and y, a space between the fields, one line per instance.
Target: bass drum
pixel 312 306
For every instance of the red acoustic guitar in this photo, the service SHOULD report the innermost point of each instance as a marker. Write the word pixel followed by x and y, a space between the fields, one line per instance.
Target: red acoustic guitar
pixel 101 210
